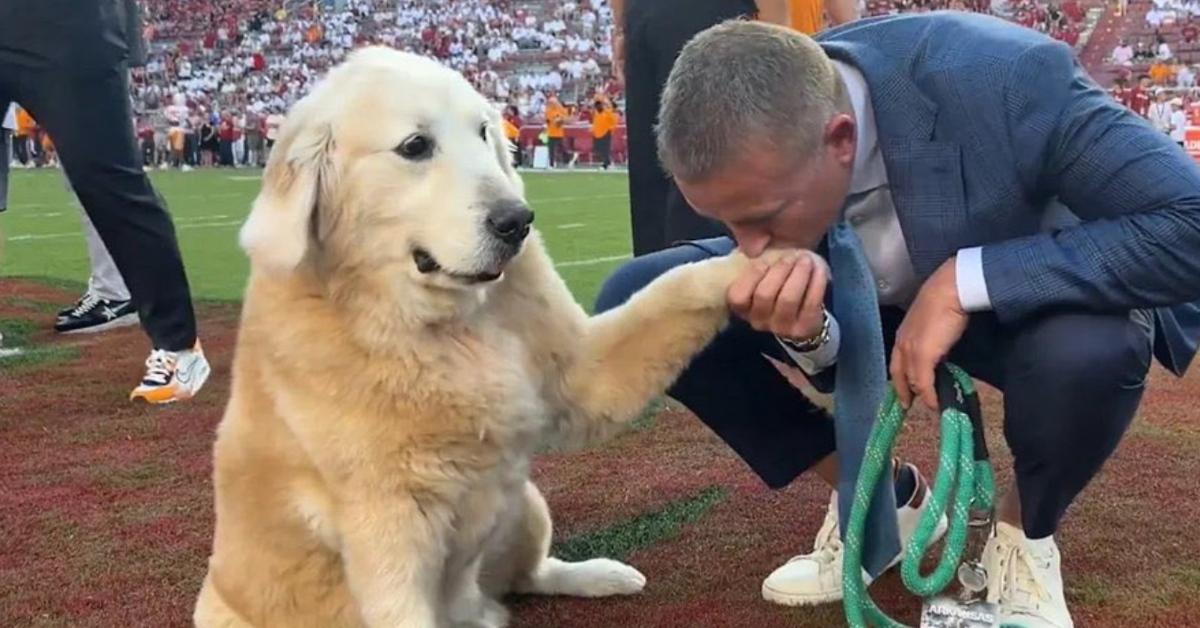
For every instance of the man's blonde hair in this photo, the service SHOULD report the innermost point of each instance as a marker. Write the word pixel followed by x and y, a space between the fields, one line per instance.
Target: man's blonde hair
pixel 741 86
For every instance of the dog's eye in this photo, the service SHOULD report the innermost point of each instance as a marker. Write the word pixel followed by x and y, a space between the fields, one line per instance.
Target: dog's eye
pixel 483 132
pixel 415 147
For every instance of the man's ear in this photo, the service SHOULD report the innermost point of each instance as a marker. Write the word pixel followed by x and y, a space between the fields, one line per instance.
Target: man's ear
pixel 298 176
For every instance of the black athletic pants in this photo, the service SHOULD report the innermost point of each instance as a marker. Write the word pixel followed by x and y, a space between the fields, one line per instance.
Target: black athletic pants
pixel 59 62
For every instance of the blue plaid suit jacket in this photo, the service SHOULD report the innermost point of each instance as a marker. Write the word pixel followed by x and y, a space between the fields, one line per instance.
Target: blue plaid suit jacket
pixel 982 123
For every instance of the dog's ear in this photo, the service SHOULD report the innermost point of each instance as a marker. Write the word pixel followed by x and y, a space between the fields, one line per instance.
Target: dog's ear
pixel 504 153
pixel 297 179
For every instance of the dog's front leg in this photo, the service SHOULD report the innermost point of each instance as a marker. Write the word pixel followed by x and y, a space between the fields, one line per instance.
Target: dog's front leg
pixel 630 354
pixel 394 555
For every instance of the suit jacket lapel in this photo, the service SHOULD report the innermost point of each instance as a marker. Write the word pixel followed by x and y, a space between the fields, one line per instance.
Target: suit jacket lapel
pixel 925 176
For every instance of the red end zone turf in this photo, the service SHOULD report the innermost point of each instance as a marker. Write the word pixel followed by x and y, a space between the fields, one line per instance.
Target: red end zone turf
pixel 105 506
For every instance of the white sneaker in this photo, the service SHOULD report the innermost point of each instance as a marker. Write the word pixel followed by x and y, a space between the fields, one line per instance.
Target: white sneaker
pixel 172 376
pixel 1025 580
pixel 816 578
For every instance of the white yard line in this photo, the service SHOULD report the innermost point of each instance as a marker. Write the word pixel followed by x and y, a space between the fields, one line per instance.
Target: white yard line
pixel 539 201
pixel 43 236
pixel 564 171
pixel 231 223
pixel 189 219
pixel 572 225
pixel 214 195
pixel 593 261
pixel 76 234
pixel 202 225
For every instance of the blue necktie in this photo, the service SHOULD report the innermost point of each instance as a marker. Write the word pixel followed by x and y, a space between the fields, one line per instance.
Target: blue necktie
pixel 859 388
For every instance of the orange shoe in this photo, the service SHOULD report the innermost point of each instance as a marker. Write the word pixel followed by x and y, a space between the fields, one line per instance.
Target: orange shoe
pixel 172 376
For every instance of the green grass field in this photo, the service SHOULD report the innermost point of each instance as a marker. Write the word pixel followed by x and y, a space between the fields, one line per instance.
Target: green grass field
pixel 584 218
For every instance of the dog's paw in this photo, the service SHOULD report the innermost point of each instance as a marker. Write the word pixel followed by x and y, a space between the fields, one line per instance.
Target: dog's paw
pixel 601 577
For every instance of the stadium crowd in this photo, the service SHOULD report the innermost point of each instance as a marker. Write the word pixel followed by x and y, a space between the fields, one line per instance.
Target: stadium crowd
pixel 220 76
pixel 1156 66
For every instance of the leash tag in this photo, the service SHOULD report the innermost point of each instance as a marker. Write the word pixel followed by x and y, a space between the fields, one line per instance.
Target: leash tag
pixel 973 578
pixel 947 612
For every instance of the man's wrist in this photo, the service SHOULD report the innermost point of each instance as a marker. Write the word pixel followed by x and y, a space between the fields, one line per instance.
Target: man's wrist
pixel 969 281
pixel 821 358
pixel 811 343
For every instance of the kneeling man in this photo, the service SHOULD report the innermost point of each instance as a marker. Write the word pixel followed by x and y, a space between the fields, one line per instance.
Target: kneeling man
pixel 978 199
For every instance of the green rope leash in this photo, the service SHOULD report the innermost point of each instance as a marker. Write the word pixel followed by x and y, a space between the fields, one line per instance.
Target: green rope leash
pixel 971 479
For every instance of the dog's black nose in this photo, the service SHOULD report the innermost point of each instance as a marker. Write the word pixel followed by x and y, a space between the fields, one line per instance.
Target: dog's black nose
pixel 509 221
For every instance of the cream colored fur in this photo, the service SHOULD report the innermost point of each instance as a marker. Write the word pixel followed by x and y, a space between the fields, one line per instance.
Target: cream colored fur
pixel 372 465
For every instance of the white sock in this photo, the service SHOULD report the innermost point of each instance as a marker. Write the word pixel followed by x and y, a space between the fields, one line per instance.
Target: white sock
pixel 1042 546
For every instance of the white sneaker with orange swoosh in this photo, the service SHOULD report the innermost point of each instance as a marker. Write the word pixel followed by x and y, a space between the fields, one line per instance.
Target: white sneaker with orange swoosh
pixel 172 375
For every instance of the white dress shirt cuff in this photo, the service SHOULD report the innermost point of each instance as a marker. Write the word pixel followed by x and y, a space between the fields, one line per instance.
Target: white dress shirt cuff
pixel 968 275
pixel 821 358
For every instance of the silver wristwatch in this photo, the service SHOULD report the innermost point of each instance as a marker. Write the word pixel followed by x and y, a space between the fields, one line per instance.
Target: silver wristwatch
pixel 805 345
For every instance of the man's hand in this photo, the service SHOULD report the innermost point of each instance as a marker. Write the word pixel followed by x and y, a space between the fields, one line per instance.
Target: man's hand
pixel 932 325
pixel 785 298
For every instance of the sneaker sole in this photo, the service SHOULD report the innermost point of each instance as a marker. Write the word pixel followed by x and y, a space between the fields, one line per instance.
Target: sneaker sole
pixel 793 599
pixel 121 321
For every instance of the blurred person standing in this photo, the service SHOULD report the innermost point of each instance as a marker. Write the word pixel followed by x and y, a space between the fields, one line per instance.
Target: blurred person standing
pixel 106 304
pixel 604 123
pixel 254 139
pixel 22 136
pixel 226 134
pixel 512 132
pixel 556 120
pixel 177 131
pixel 6 139
pixel 68 63
pixel 271 124
pixel 1179 121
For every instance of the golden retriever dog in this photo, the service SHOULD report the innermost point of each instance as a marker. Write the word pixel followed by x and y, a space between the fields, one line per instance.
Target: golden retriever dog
pixel 405 347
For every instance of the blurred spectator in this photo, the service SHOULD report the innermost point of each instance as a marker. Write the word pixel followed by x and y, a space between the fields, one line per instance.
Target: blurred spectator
pixel 1189 32
pixel 1163 51
pixel 1160 112
pixel 604 122
pixel 1160 72
pixel 1179 121
pixel 1123 53
pixel 556 118
pixel 1139 97
pixel 1184 77
pixel 255 58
